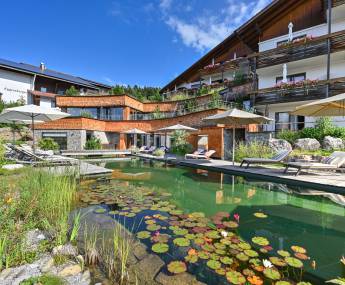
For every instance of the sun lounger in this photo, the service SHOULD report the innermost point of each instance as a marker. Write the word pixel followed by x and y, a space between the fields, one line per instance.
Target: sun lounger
pixel 206 155
pixel 334 162
pixel 279 157
pixel 25 155
pixel 150 150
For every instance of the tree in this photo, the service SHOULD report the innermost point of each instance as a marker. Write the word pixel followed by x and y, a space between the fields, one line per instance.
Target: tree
pixel 72 91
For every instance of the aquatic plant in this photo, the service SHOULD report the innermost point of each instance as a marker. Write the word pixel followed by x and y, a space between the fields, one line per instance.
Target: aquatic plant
pixel 92 255
pixel 260 241
pixel 181 242
pixel 235 277
pixel 3 255
pixel 75 227
pixel 294 262
pixel 213 264
pixel 177 267
pixel 143 235
pixel 160 247
pixel 272 273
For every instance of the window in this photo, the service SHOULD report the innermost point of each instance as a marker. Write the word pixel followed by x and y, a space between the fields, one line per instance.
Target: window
pixel 293 39
pixel 285 121
pixel 59 138
pixel 292 78
pixel 43 89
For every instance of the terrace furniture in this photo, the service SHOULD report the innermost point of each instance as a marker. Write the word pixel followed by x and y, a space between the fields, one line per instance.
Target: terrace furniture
pixel 278 158
pixel 207 155
pixel 151 149
pixel 25 155
pixel 334 162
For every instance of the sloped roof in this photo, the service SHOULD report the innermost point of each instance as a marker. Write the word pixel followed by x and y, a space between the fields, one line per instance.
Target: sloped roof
pixel 32 69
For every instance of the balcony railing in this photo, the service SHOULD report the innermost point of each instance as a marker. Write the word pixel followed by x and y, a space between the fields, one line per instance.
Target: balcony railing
pixel 302 49
pixel 186 110
pixel 299 93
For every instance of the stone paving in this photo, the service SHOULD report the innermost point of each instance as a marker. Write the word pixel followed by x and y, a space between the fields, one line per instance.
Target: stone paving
pixel 321 180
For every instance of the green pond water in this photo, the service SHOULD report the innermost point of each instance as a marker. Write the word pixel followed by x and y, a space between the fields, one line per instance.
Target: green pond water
pixel 296 216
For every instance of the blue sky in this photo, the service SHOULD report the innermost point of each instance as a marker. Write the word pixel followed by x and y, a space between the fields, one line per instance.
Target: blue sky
pixel 146 42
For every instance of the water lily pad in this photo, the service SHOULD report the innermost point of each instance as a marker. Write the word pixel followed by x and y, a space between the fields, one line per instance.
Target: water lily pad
pixel 150 222
pixel 230 224
pixel 260 241
pixel 131 215
pixel 283 253
pixel 260 215
pixel 100 211
pixel 199 241
pixel 220 251
pixel 277 261
pixel 153 227
pixel 160 247
pixel 294 262
pixel 226 260
pixel 235 277
pixel 177 267
pixel 241 256
pixel 212 234
pixel 301 256
pixel 244 245
pixel 113 212
pixel 298 249
pixel 283 283
pixel 162 238
pixel 248 272
pixel 180 231
pixel 251 253
pixel 176 212
pixel 208 247
pixel 225 241
pixel 191 258
pixel 143 234
pixel 272 273
pixel 190 236
pixel 221 271
pixel 203 255
pixel 181 242
pixel 214 264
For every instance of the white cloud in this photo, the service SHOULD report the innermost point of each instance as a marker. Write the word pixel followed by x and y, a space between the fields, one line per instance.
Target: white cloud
pixel 165 4
pixel 207 30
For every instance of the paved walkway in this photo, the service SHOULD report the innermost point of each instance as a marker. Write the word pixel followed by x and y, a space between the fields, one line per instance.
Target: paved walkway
pixel 326 181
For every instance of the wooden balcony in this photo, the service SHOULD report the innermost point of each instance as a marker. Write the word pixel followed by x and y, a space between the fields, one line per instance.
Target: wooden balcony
pixel 336 3
pixel 303 93
pixel 300 50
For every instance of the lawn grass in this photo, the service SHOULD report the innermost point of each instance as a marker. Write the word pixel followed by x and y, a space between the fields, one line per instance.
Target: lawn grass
pixel 31 199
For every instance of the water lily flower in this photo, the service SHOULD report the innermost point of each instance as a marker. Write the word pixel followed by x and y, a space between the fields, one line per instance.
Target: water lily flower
pixel 147 217
pixel 237 217
pixel 313 264
pixel 224 233
pixel 255 280
pixel 156 234
pixel 267 263
pixel 192 251
pixel 342 260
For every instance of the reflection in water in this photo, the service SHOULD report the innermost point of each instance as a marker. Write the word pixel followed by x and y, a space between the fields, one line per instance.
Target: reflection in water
pixel 296 215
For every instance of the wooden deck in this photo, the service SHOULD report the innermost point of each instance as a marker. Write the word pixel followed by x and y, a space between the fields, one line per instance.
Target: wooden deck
pixel 100 152
pixel 325 181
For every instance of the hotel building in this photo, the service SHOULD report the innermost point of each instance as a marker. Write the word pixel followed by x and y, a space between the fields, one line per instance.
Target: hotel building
pixel 290 53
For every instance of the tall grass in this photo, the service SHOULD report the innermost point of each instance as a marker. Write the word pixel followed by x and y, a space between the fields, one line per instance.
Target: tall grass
pixel 29 200
pixel 252 149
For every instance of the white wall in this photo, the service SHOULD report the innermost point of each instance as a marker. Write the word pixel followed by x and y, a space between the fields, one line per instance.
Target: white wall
pixel 315 68
pixel 14 86
pixel 46 102
pixel 338 24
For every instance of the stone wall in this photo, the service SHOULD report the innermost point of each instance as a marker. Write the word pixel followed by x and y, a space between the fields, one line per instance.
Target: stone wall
pixel 259 136
pixel 76 139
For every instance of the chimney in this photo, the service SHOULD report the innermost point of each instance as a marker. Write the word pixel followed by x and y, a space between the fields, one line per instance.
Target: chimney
pixel 42 66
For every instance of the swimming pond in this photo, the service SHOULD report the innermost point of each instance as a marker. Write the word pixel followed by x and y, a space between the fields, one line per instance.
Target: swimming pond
pixel 286 216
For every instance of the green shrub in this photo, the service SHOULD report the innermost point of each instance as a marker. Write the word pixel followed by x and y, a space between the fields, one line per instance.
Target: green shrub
pixel 290 136
pixel 44 280
pixel 48 144
pixel 180 144
pixel 72 91
pixel 158 152
pixel 85 114
pixel 252 149
pixel 93 143
pixel 2 153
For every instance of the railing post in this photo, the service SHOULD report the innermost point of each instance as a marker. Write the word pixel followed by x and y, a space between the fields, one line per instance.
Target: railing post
pixel 329 20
